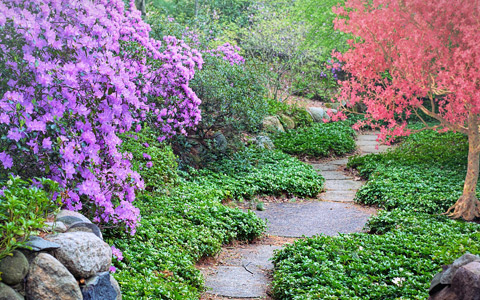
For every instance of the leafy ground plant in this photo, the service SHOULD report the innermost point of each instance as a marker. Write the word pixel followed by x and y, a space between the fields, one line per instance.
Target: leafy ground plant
pixel 177 229
pixel 23 209
pixel 406 244
pixel 319 140
pixel 396 265
pixel 425 173
pixel 258 171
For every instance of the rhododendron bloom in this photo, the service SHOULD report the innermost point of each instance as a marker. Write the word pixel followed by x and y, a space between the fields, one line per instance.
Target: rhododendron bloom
pixel 74 74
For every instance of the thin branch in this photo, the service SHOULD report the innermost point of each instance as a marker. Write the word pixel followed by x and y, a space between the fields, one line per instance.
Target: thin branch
pixel 421 119
pixel 455 127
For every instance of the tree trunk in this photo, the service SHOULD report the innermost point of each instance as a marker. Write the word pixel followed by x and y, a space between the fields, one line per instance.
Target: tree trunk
pixel 140 5
pixel 196 10
pixel 468 206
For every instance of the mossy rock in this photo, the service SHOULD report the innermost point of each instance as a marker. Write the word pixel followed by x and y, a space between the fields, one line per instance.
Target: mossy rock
pixel 288 123
pixel 272 124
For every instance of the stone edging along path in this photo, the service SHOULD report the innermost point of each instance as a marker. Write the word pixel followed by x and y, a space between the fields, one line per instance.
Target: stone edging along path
pixel 244 271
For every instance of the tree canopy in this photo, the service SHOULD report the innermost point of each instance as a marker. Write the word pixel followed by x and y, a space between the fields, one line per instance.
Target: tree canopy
pixel 410 57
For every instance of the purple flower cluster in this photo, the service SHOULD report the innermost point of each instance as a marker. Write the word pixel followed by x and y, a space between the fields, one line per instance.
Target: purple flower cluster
pixel 228 52
pixel 73 75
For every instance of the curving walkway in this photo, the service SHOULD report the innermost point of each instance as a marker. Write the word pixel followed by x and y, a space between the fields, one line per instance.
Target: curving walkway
pixel 244 271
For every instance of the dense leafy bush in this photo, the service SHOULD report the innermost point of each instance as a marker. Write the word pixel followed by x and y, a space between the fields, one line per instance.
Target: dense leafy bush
pixel 319 140
pixel 406 245
pixel 23 209
pixel 256 171
pixel 153 160
pixel 232 97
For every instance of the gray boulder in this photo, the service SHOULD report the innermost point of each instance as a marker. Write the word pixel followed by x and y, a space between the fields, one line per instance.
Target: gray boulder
pixel 7 293
pixel 319 114
pixel 69 220
pixel 57 226
pixel 49 279
pixel 220 141
pixel 264 142
pixel 448 274
pixel 466 282
pixel 99 287
pixel 38 244
pixel 272 124
pixel 14 268
pixel 69 213
pixel 86 227
pixel 460 280
pixel 116 286
pixel 83 253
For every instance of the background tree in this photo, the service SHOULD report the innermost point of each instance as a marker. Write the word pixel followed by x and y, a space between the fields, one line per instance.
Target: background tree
pixel 414 57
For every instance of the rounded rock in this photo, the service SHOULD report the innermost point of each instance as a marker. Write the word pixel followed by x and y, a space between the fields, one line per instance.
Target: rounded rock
pixel 55 226
pixel 69 213
pixel 14 268
pixel 83 253
pixel 99 287
pixel 272 124
pixel 85 227
pixel 7 293
pixel 49 279
pixel 116 286
pixel 288 122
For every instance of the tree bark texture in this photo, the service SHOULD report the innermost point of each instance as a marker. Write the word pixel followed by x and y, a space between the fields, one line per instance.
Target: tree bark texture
pixel 467 206
pixel 140 4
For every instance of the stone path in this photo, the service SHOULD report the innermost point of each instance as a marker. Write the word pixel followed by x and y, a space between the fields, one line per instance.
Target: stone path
pixel 244 272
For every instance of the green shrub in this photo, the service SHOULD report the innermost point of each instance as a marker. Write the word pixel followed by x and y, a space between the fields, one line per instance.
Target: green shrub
pixel 319 140
pixel 232 103
pixel 152 159
pixel 23 209
pixel 232 97
pixel 259 171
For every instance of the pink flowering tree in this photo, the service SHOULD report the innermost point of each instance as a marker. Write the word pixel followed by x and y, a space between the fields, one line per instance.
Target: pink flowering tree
pixel 412 56
pixel 74 74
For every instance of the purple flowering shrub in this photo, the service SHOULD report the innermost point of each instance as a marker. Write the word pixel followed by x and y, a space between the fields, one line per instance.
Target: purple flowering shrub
pixel 73 75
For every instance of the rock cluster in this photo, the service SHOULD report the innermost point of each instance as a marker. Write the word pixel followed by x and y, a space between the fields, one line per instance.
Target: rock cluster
pixel 71 263
pixel 458 281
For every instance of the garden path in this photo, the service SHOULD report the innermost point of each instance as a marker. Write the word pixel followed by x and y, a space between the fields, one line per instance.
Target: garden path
pixel 244 270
